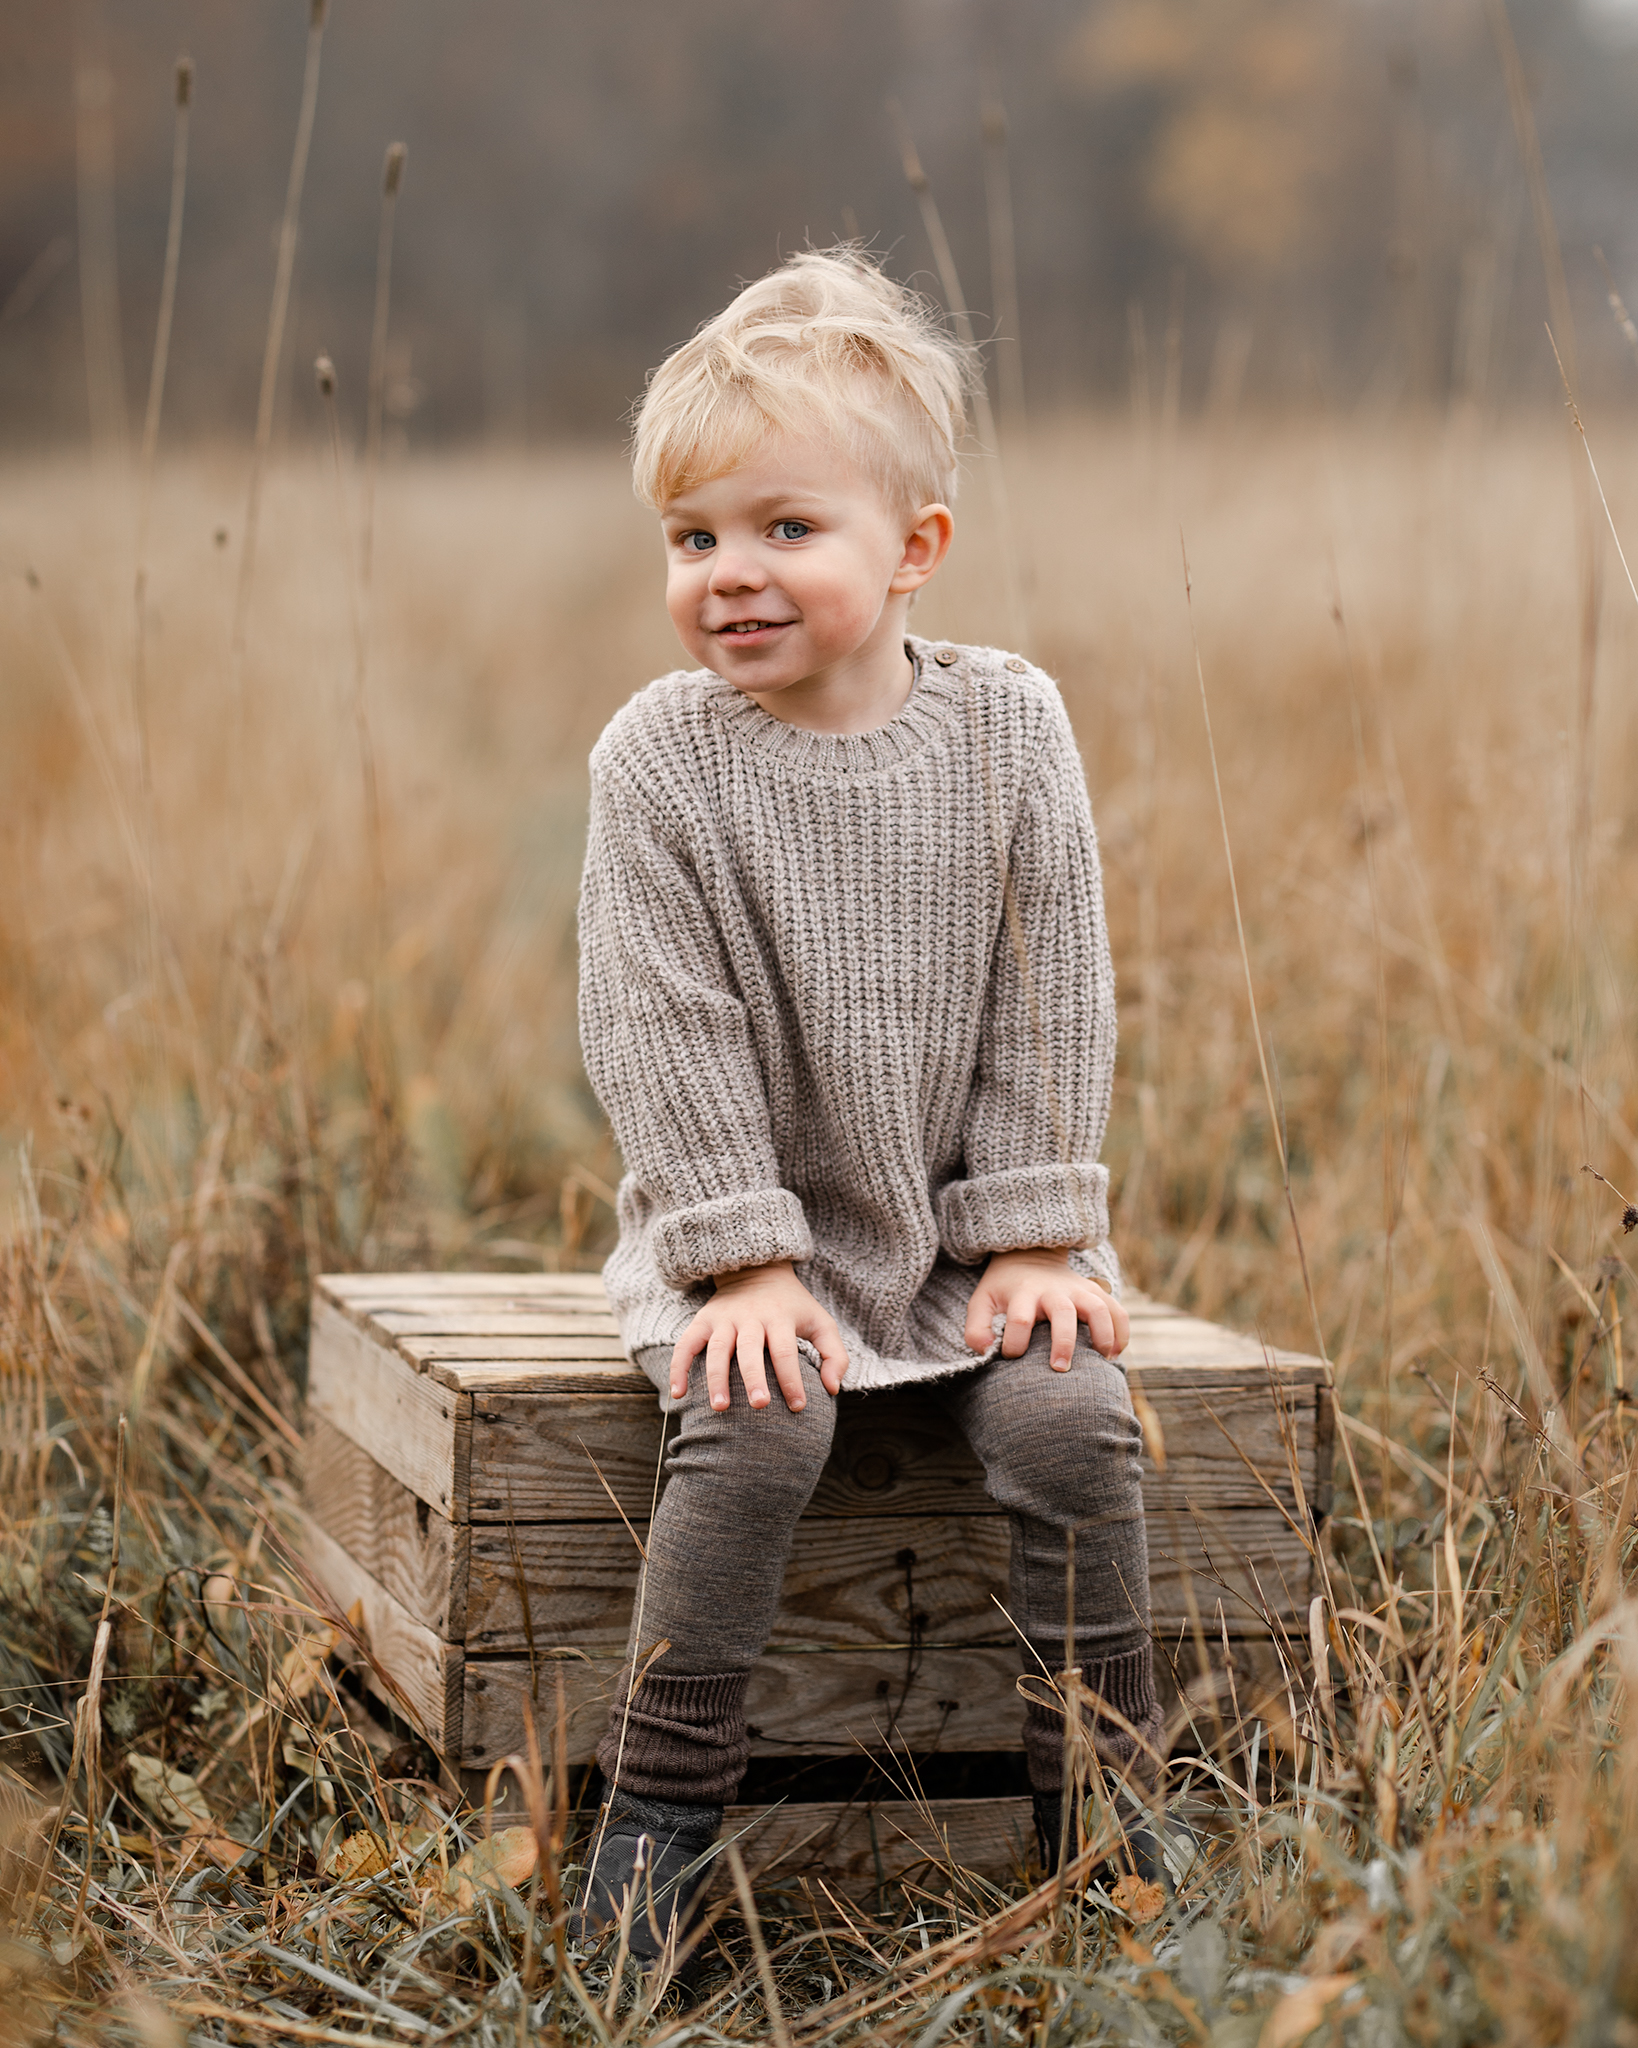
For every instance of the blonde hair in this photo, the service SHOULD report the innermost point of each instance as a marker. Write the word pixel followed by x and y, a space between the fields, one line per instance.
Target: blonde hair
pixel 825 342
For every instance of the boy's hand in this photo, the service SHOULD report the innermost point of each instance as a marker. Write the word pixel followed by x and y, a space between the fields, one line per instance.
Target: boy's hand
pixel 1031 1287
pixel 759 1307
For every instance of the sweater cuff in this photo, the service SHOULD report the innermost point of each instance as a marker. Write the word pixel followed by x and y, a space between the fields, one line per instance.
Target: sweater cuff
pixel 753 1229
pixel 1022 1208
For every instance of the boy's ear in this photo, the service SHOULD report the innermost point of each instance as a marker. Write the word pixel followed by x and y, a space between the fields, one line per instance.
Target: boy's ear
pixel 925 546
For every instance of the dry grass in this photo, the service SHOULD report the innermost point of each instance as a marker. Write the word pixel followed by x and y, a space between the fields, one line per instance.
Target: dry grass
pixel 223 1064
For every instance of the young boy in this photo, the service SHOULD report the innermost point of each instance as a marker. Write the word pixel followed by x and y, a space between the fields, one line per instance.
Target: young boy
pixel 847 1000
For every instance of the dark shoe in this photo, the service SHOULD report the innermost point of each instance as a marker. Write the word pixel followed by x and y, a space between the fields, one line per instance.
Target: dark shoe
pixel 1159 1852
pixel 652 1854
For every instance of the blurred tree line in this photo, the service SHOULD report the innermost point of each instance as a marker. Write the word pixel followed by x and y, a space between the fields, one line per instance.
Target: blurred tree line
pixel 1215 202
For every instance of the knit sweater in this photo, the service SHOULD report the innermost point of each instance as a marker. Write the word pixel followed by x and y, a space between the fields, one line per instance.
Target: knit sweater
pixel 818 1026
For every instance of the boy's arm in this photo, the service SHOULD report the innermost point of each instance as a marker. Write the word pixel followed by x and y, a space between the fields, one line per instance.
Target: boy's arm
pixel 669 1051
pixel 1033 1188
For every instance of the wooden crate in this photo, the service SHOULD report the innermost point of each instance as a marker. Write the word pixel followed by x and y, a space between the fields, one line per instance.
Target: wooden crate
pixel 458 1425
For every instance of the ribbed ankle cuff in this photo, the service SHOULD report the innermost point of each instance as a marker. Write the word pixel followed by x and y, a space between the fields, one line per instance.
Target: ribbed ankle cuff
pixel 683 1739
pixel 1126 1683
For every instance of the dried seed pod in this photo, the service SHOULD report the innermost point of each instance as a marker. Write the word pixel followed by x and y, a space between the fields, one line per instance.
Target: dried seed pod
pixel 325 373
pixel 392 173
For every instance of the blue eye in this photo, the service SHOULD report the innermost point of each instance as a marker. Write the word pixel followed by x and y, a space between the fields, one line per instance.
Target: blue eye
pixel 793 529
pixel 698 543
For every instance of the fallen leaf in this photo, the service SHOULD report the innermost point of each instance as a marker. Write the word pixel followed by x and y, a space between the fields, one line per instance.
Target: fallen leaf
pixel 1300 2012
pixel 303 1663
pixel 1138 1899
pixel 172 1795
pixel 505 1857
pixel 366 1855
pixel 360 1855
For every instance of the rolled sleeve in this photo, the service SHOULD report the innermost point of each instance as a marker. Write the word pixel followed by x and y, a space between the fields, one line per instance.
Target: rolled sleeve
pixel 1027 1206
pixel 751 1229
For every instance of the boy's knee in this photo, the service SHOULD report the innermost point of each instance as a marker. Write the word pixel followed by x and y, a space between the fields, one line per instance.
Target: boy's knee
pixel 772 1456
pixel 1063 1446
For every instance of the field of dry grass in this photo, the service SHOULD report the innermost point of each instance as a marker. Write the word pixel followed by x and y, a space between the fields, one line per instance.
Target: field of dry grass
pixel 230 1056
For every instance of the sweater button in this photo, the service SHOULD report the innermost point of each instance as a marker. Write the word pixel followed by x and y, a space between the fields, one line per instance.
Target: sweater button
pixel 944 656
pixel 1018 667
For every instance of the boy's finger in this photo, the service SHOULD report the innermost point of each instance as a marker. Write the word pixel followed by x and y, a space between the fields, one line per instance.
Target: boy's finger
pixel 688 1347
pixel 981 1312
pixel 827 1341
pixel 1021 1311
pixel 1106 1325
pixel 751 1342
pixel 1065 1325
pixel 787 1365
pixel 719 1358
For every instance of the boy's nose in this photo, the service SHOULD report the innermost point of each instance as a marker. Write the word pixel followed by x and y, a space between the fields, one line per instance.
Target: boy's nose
pixel 735 569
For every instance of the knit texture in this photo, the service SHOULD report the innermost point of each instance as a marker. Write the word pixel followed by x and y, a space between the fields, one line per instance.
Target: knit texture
pixel 680 1739
pixel 1126 1683
pixel 819 1030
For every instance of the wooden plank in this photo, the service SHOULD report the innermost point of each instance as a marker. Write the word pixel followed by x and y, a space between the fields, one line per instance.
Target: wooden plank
pixel 850 1582
pixel 418 1428
pixel 1325 1451
pixel 425 1673
pixel 859 1580
pixel 1248 1682
pixel 374 1286
pixel 818 1704
pixel 488 1324
pixel 569 1315
pixel 534 1458
pixel 419 1557
pixel 895 1453
pixel 599 1359
pixel 848 1845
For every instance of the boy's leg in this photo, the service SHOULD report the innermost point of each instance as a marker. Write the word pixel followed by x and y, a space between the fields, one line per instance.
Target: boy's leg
pixel 736 1482
pixel 1062 1451
pixel 673 1755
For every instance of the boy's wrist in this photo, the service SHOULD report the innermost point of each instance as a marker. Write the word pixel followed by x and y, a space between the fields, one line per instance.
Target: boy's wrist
pixel 747 1276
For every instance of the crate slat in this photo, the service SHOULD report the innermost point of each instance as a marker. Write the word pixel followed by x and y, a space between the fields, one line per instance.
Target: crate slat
pixel 857 1846
pixel 417 1556
pixel 411 1667
pixel 818 1703
pixel 418 1428
pixel 845 1583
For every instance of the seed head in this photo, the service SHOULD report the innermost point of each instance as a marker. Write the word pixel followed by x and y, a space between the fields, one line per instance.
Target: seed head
pixel 392 175
pixel 184 81
pixel 315 13
pixel 325 372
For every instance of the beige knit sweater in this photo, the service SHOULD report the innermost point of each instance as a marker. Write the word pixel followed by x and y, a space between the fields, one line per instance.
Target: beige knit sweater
pixel 816 1027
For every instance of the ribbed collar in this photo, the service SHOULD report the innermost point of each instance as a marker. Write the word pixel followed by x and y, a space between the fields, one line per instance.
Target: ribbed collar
pixel 934 698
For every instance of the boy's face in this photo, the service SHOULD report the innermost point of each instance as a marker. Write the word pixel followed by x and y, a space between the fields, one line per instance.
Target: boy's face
pixel 782 574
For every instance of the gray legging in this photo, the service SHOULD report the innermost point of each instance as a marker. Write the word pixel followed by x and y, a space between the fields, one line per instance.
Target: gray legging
pixel 1059 1451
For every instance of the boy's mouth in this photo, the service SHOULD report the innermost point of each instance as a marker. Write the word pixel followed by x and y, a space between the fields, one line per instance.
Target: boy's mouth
pixel 745 629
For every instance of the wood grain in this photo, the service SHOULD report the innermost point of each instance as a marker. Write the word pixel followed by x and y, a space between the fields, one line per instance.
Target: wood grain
pixel 859 1581
pixel 819 1704
pixel 853 1847
pixel 416 1427
pixel 417 1673
pixel 486 1324
pixel 894 1452
pixel 530 1286
pixel 419 1557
